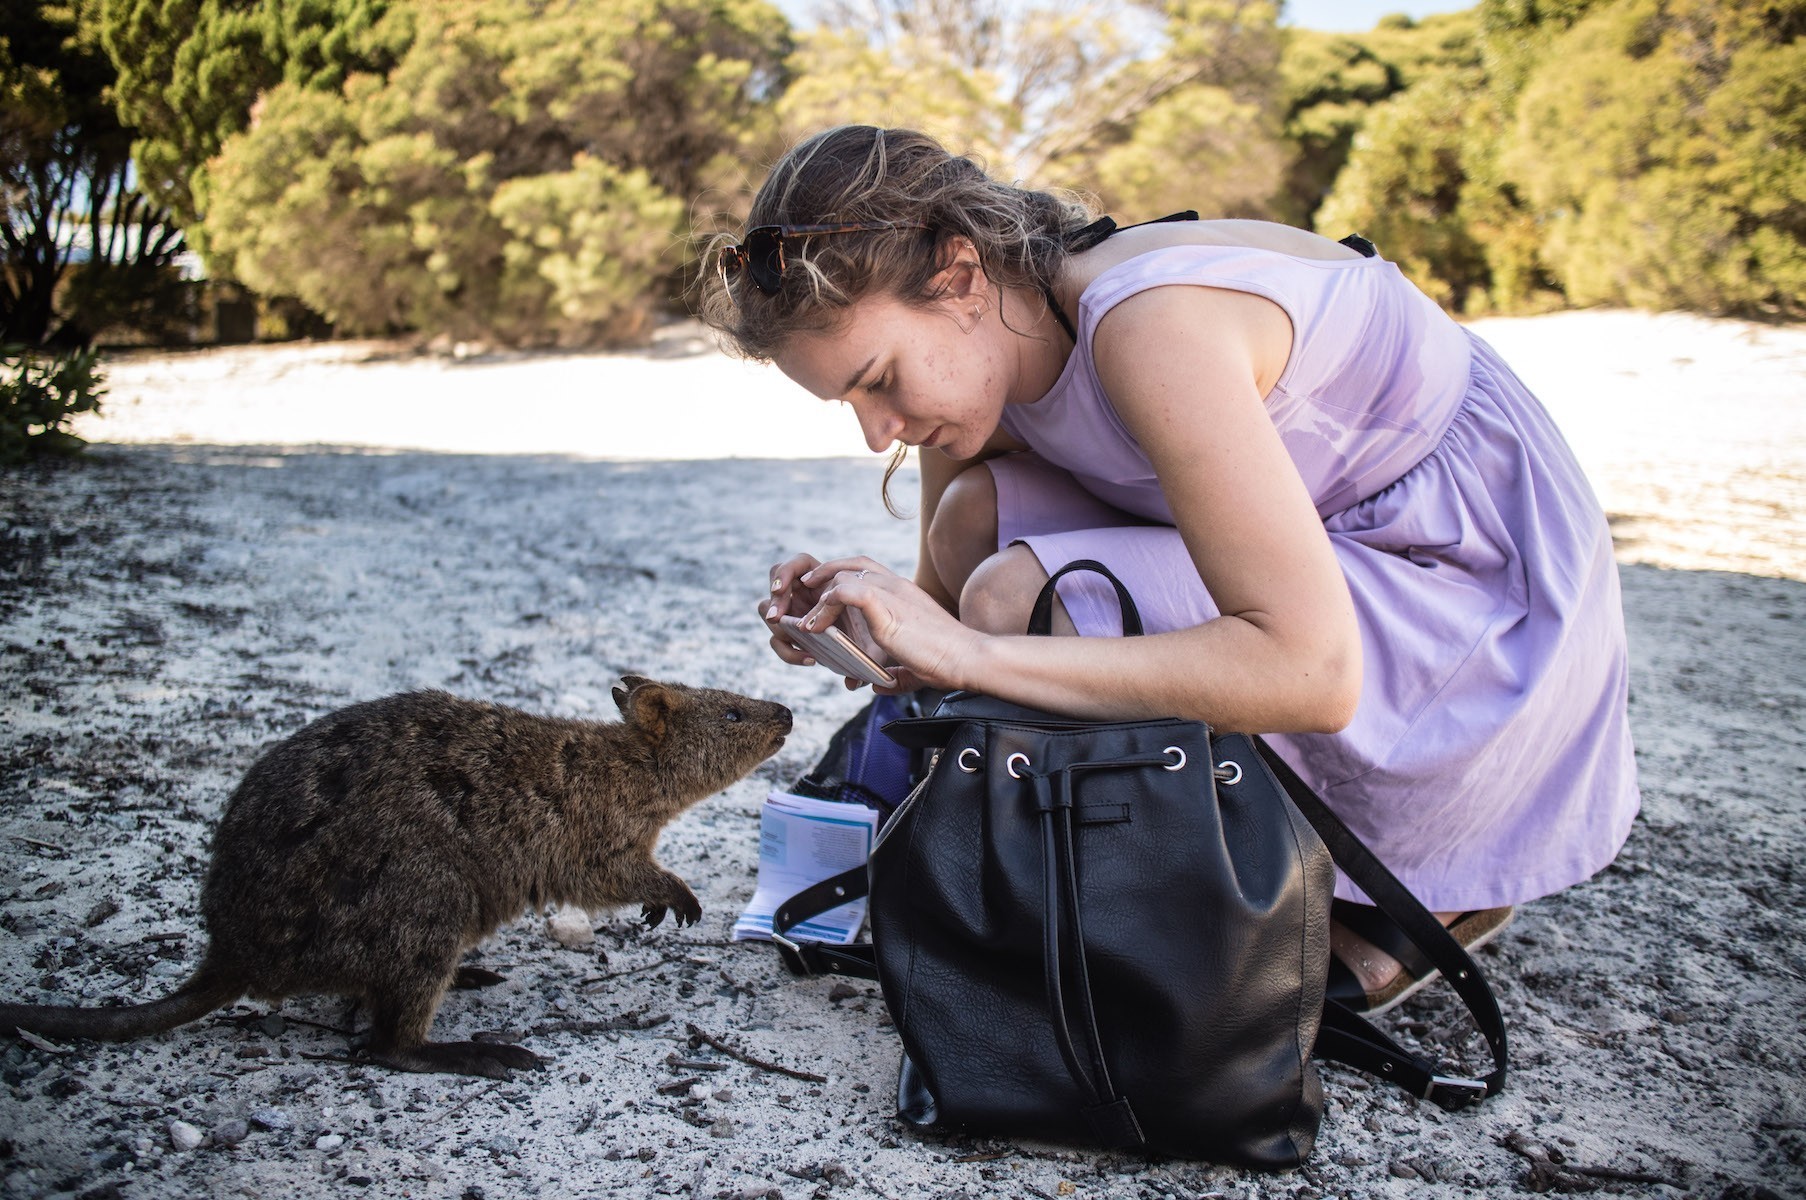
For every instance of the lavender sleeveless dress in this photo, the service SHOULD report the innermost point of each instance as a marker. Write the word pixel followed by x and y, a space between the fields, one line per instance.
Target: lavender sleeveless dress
pixel 1489 761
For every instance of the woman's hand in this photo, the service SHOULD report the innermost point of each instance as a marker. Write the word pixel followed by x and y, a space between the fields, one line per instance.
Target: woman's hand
pixel 890 618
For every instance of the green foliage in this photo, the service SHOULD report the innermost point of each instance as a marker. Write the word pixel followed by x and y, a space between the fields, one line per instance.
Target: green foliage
pixel 191 71
pixel 517 175
pixel 581 244
pixel 1666 148
pixel 839 76
pixel 39 392
pixel 1232 147
pixel 1403 185
pixel 1330 83
pixel 1195 126
pixel 82 246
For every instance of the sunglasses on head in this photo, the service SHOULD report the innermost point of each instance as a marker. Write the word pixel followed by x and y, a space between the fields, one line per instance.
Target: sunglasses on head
pixel 761 255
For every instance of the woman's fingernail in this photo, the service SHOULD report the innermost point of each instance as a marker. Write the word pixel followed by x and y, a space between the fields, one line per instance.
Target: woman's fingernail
pixel 808 662
pixel 775 584
pixel 772 613
pixel 809 622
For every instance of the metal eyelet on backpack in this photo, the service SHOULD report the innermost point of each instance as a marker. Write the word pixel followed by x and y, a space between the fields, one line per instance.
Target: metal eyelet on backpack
pixel 1233 777
pixel 1177 766
pixel 976 759
pixel 1009 764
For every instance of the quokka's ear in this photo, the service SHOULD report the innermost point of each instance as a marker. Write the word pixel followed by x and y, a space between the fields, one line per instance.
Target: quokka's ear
pixel 621 693
pixel 649 708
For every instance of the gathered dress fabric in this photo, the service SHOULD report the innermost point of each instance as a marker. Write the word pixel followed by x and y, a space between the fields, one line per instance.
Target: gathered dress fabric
pixel 1489 760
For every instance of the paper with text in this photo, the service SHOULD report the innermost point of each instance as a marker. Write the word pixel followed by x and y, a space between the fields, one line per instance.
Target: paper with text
pixel 803 841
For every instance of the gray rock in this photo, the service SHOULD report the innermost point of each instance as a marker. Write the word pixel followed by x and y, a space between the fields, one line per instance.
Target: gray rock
pixel 329 1142
pixel 230 1133
pixel 501 1143
pixel 273 1119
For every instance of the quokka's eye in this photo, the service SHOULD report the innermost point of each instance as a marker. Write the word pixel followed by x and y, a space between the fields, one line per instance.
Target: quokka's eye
pixel 733 714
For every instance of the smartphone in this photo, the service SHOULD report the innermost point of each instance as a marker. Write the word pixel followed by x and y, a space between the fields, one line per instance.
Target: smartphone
pixel 836 651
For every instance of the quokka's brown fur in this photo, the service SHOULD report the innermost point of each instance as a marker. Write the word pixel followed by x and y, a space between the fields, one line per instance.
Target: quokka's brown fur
pixel 363 855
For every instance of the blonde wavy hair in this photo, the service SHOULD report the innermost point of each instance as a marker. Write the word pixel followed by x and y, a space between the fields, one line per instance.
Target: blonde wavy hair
pixel 861 173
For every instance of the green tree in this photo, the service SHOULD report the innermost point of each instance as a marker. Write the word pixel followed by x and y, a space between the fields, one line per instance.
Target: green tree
pixel 1403 188
pixel 838 75
pixel 1196 125
pixel 1330 83
pixel 518 174
pixel 83 248
pixel 190 71
pixel 1664 147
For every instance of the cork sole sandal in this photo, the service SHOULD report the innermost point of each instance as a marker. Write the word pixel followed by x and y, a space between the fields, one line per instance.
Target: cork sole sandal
pixel 1472 929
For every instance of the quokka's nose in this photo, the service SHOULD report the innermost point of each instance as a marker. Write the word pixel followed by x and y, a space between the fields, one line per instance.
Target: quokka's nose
pixel 784 719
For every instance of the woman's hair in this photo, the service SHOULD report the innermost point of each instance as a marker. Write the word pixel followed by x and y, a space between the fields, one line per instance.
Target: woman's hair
pixel 859 173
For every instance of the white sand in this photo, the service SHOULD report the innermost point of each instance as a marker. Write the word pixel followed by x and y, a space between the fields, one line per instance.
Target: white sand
pixel 216 573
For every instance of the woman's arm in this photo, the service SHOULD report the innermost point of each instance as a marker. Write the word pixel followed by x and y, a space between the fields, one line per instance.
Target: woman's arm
pixel 1186 368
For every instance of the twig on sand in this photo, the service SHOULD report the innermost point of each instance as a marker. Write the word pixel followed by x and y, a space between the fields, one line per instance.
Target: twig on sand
pixel 454 1110
pixel 1545 1171
pixel 635 1020
pixel 338 1058
pixel 697 1037
pixel 666 961
pixel 40 844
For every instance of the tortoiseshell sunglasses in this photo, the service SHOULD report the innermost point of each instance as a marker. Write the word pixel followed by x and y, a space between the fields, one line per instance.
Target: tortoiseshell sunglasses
pixel 761 255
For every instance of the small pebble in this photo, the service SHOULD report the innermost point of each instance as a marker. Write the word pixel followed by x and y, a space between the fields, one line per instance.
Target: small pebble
pixel 570 928
pixel 230 1133
pixel 272 1119
pixel 724 1095
pixel 501 1143
pixel 184 1136
pixel 722 1128
pixel 329 1142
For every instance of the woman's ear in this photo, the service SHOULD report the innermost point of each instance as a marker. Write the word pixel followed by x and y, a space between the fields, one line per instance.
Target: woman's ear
pixel 961 277
pixel 961 288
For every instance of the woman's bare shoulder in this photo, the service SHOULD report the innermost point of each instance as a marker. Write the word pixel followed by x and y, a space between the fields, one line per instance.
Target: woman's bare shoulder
pixel 1082 269
pixel 1186 335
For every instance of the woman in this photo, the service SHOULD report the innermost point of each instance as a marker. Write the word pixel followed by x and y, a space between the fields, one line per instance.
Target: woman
pixel 1346 523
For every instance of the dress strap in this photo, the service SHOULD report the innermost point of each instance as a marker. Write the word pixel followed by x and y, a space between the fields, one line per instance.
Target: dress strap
pixel 1080 240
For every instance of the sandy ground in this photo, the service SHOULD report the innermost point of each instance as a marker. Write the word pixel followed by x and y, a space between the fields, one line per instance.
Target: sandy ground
pixel 265 534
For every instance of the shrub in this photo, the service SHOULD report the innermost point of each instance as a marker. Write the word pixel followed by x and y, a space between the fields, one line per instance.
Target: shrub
pixel 39 392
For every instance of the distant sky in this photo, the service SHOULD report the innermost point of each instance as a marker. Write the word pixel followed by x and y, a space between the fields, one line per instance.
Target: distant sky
pixel 1331 16
pixel 1357 16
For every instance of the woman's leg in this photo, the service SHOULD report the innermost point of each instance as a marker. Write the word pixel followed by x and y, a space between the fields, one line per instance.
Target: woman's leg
pixel 996 588
pixel 963 532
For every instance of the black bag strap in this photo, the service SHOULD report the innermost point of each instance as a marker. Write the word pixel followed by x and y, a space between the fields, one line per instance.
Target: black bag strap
pixel 824 958
pixel 1040 620
pixel 1349 1037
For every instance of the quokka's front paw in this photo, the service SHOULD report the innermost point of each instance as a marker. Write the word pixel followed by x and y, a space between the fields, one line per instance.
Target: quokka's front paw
pixel 679 899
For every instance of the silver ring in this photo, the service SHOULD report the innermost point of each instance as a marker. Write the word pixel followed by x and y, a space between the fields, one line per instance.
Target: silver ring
pixel 1009 764
pixel 1178 766
pixel 860 575
pixel 973 751
pixel 1236 773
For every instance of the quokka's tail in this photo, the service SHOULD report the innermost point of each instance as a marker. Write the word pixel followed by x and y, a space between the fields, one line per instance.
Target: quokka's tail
pixel 206 990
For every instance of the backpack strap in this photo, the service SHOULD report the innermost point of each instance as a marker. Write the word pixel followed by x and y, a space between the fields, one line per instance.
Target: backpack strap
pixel 1350 1038
pixel 1083 239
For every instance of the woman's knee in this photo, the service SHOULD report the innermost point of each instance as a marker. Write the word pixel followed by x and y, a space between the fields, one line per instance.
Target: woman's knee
pixel 1001 592
pixel 963 532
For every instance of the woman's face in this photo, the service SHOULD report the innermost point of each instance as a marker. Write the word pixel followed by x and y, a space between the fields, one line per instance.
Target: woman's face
pixel 911 374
